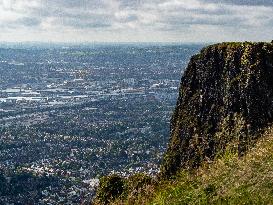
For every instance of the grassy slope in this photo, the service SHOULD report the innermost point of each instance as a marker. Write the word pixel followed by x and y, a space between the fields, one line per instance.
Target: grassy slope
pixel 228 180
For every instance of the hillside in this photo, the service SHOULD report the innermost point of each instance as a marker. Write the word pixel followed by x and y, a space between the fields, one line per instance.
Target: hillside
pixel 228 180
pixel 220 139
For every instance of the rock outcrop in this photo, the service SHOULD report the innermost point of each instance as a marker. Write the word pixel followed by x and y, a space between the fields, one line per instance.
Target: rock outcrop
pixel 225 101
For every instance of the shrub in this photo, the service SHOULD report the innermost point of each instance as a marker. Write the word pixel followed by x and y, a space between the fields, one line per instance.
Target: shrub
pixel 110 188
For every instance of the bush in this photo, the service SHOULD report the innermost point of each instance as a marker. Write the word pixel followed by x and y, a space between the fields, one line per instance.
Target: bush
pixel 110 188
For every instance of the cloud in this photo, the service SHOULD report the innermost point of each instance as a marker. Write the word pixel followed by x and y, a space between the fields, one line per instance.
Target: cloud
pixel 136 20
pixel 243 2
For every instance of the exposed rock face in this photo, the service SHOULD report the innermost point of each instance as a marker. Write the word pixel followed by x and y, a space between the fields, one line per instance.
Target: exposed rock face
pixel 225 101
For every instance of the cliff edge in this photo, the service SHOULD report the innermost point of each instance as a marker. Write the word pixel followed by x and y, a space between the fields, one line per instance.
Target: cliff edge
pixel 224 109
pixel 225 101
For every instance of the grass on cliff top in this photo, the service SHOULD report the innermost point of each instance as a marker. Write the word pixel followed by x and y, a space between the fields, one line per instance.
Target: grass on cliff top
pixel 229 180
pixel 236 45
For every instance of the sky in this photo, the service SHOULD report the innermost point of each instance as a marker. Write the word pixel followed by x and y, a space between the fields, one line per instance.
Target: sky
pixel 182 21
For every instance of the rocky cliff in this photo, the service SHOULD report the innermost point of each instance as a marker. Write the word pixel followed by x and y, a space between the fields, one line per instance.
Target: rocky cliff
pixel 225 101
pixel 225 105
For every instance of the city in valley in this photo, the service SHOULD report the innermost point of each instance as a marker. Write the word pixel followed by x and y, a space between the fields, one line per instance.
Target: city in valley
pixel 72 113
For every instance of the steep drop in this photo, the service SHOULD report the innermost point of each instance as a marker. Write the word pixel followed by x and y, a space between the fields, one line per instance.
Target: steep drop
pixel 225 101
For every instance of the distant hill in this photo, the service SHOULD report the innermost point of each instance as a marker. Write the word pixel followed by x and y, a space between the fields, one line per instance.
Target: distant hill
pixel 224 109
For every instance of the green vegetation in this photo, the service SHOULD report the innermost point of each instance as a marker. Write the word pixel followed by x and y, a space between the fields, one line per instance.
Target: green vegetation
pixel 22 187
pixel 228 180
pixel 111 187
pixel 114 188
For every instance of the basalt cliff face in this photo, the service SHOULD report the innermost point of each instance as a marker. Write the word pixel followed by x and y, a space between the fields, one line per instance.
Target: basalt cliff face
pixel 225 101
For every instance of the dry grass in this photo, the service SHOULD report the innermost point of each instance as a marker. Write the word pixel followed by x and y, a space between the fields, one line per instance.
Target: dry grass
pixel 228 180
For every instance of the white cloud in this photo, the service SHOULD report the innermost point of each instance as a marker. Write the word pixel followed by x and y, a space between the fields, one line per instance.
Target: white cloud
pixel 135 20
